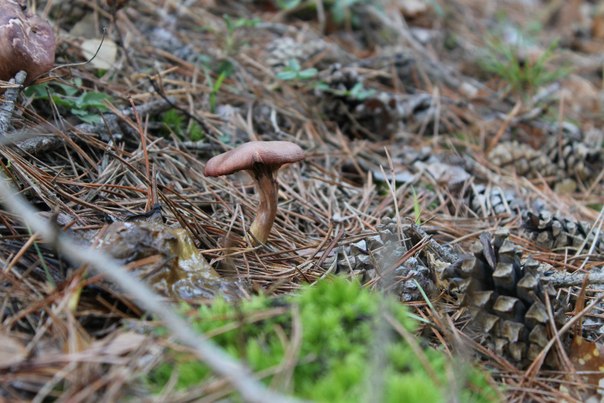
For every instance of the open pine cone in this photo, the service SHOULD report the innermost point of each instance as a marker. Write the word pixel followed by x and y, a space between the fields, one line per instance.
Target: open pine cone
pixel 553 232
pixel 506 297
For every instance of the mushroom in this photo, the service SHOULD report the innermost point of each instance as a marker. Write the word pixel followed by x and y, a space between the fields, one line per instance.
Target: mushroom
pixel 262 159
pixel 27 41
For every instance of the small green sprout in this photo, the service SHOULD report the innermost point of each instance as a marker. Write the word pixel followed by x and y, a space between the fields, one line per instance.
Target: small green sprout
pixel 358 92
pixel 293 72
pixel 523 76
pixel 215 88
pixel 417 208
pixel 220 68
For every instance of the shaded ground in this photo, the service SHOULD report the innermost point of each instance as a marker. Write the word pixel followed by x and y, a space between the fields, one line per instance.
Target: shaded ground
pixel 466 117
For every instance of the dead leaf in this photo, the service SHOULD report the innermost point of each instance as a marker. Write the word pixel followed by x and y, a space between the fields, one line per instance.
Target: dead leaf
pixel 85 28
pixel 107 53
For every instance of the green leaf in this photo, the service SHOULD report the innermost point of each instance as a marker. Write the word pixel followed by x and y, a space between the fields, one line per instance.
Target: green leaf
pixel 287 75
pixel 294 65
pixel 361 93
pixel 288 4
pixel 68 90
pixel 92 100
pixel 65 102
pixel 308 73
pixel 86 116
pixel 39 91
pixel 322 86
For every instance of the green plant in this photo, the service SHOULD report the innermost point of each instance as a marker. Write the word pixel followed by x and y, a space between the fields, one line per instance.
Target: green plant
pixel 216 85
pixel 293 72
pixel 232 26
pixel 335 324
pixel 86 105
pixel 417 208
pixel 523 76
pixel 223 69
pixel 339 10
pixel 358 92
pixel 174 121
pixel 288 4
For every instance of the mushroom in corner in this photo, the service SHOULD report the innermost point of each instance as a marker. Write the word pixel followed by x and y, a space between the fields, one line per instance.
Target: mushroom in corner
pixel 27 42
pixel 262 159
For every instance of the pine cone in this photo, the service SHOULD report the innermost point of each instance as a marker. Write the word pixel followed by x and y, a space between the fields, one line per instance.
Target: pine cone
pixel 553 232
pixel 344 101
pixel 487 201
pixel 505 296
pixel 524 160
pixel 366 113
pixel 577 154
pixel 366 257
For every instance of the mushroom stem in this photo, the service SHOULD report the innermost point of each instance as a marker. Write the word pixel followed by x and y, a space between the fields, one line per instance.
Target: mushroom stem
pixel 266 186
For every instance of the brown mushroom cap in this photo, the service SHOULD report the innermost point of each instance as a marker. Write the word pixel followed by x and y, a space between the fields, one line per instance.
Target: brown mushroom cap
pixel 27 42
pixel 269 153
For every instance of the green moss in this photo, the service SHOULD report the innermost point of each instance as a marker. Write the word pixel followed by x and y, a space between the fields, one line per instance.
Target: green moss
pixel 335 356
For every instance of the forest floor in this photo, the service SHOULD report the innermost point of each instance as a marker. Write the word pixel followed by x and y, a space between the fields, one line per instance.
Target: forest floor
pixel 470 132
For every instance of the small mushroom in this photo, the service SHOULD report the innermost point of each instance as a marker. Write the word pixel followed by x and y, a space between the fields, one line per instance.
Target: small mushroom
pixel 262 159
pixel 27 41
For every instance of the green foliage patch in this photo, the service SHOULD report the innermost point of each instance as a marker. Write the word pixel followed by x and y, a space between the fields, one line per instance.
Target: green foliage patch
pixel 336 324
pixel 86 105
pixel 340 11
pixel 175 121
